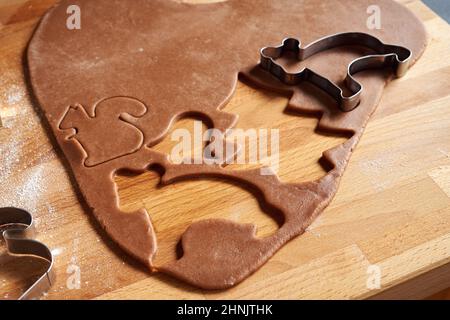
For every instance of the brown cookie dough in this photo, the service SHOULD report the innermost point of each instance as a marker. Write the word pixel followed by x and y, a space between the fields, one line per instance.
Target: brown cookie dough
pixel 136 66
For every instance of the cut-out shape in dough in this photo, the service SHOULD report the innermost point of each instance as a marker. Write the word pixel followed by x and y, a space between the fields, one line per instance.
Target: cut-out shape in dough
pixel 184 59
pixel 201 243
pixel 110 134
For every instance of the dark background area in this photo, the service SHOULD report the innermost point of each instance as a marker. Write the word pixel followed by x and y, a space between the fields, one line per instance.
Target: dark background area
pixel 441 7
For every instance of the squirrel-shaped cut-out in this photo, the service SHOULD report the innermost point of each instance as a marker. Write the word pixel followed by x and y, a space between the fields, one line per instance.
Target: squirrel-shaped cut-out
pixel 110 134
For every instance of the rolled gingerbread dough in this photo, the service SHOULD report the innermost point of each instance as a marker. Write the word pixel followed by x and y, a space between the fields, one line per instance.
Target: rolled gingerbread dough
pixel 112 89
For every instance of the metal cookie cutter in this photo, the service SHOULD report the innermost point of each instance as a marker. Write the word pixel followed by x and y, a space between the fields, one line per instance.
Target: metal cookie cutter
pixel 18 238
pixel 395 57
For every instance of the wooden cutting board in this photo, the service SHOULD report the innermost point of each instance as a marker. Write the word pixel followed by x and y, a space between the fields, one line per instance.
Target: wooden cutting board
pixel 391 215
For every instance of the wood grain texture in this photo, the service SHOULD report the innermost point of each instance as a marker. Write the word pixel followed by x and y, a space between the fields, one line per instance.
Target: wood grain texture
pixel 392 209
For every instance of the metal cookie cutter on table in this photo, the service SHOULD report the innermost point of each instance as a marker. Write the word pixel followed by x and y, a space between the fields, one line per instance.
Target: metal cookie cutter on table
pixel 18 235
pixel 395 57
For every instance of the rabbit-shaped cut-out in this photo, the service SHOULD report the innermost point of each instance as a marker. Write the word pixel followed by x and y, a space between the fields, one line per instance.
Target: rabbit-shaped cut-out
pixel 112 126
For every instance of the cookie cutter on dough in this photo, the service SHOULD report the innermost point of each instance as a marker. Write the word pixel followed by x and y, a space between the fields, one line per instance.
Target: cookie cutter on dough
pixel 389 56
pixel 18 237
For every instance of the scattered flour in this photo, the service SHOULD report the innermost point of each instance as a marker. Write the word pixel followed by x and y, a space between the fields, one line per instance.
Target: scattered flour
pixel 57 251
pixel 14 94
pixel 27 178
pixel 25 190
pixel 23 175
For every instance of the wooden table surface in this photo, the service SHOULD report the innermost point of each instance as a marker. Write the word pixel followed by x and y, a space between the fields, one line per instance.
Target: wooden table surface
pixel 391 214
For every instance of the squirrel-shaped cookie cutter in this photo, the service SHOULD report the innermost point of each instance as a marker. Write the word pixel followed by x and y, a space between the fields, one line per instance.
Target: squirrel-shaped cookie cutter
pixel 19 233
pixel 386 56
